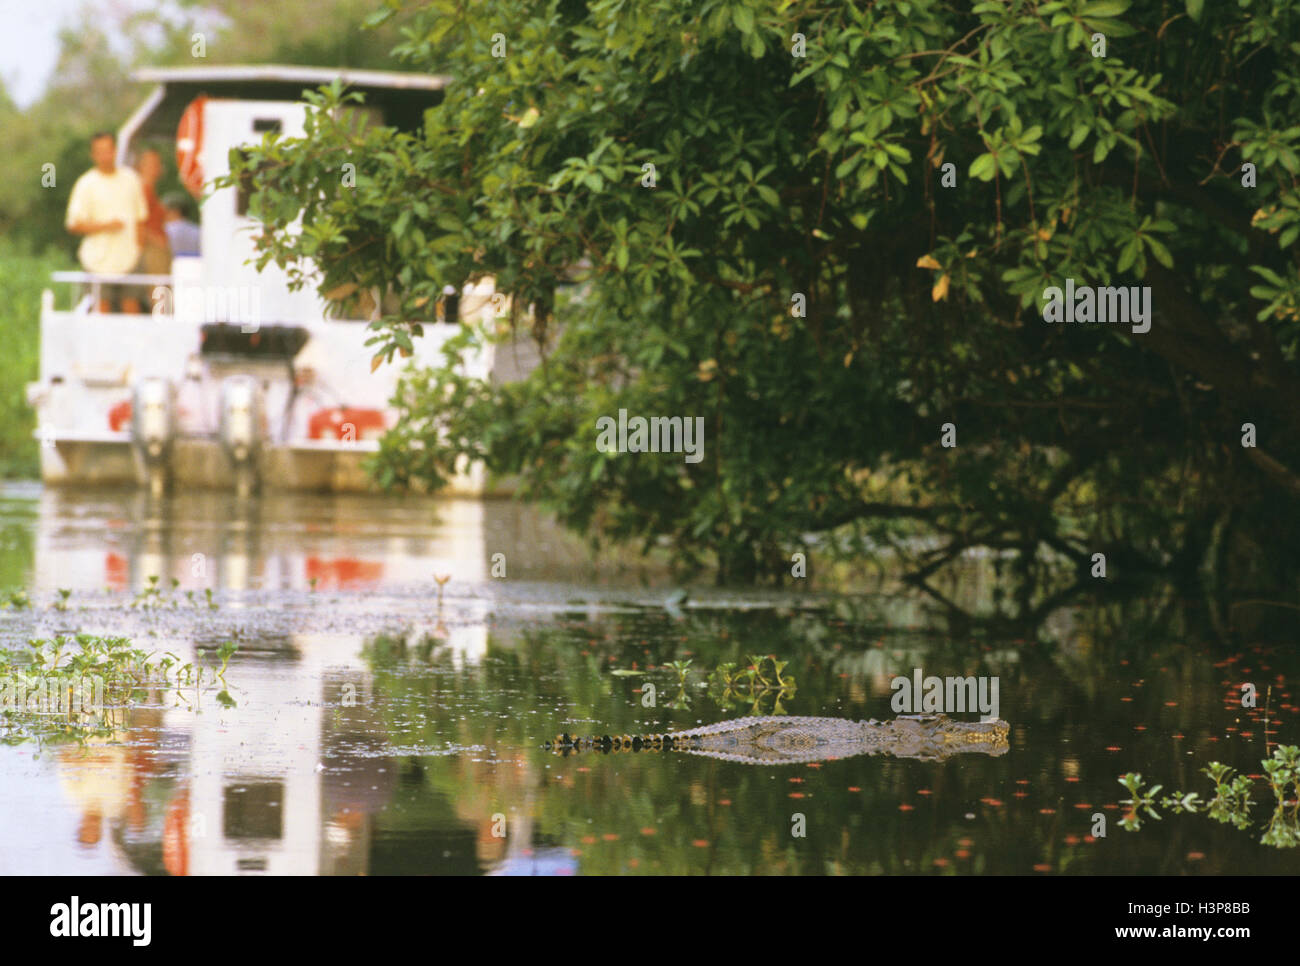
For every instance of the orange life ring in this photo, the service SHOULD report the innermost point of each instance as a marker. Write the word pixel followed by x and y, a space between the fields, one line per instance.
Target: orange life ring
pixel 189 143
pixel 119 416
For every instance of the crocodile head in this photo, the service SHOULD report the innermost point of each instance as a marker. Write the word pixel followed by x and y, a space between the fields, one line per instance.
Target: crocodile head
pixel 937 736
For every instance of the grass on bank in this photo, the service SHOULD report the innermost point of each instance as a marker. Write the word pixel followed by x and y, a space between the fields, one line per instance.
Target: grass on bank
pixel 22 277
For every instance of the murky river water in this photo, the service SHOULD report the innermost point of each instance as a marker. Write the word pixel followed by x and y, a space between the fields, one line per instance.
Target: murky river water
pixel 382 728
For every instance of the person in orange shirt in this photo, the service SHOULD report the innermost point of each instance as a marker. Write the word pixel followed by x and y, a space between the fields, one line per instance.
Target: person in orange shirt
pixel 155 250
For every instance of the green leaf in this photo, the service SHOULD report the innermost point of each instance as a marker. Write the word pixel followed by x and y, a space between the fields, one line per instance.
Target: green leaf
pixel 1111 28
pixel 898 152
pixel 1160 252
pixel 983 167
pixel 1104 8
pixel 806 72
pixel 1269 275
pixel 1195 8
pixel 377 18
pixel 1128 255
pixel 743 18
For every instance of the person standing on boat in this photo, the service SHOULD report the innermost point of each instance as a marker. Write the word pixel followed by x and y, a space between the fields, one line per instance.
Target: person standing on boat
pixel 182 234
pixel 108 207
pixel 155 254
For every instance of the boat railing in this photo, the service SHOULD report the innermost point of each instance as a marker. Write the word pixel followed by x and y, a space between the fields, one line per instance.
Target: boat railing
pixel 97 279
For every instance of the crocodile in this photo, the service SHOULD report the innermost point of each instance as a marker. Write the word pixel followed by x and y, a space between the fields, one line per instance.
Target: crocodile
pixel 792 740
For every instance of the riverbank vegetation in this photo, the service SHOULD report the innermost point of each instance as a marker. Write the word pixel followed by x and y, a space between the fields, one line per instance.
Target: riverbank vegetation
pixel 22 277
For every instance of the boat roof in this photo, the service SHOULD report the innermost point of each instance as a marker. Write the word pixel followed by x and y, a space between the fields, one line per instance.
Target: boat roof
pixel 282 74
pixel 402 96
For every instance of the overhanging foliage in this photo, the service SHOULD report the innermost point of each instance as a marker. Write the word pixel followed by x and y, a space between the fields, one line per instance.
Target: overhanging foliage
pixel 822 175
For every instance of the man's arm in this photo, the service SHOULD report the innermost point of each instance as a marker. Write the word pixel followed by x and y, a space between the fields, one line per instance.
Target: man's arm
pixel 94 227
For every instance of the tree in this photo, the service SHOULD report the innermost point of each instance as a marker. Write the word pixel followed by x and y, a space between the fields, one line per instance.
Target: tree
pixel 802 151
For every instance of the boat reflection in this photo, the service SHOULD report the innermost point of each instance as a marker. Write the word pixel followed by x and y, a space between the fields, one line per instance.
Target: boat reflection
pixel 293 780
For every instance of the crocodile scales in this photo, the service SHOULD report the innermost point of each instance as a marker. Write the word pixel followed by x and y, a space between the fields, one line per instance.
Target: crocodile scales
pixel 792 740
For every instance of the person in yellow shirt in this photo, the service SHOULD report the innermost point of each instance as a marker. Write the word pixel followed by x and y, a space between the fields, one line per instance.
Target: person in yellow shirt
pixel 108 207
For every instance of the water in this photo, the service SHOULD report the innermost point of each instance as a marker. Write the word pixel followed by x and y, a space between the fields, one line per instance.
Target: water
pixel 378 730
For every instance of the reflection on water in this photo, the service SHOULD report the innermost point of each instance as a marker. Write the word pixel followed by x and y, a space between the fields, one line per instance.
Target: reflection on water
pixel 380 731
pixel 116 539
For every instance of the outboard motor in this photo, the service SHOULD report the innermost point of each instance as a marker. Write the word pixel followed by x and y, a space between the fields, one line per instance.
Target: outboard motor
pixel 241 428
pixel 153 429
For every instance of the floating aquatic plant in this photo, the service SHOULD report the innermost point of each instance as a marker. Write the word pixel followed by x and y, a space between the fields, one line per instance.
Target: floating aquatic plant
pixel 75 688
pixel 1231 803
pixel 761 685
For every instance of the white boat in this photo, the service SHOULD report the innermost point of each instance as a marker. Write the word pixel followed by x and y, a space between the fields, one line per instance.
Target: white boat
pixel 232 380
